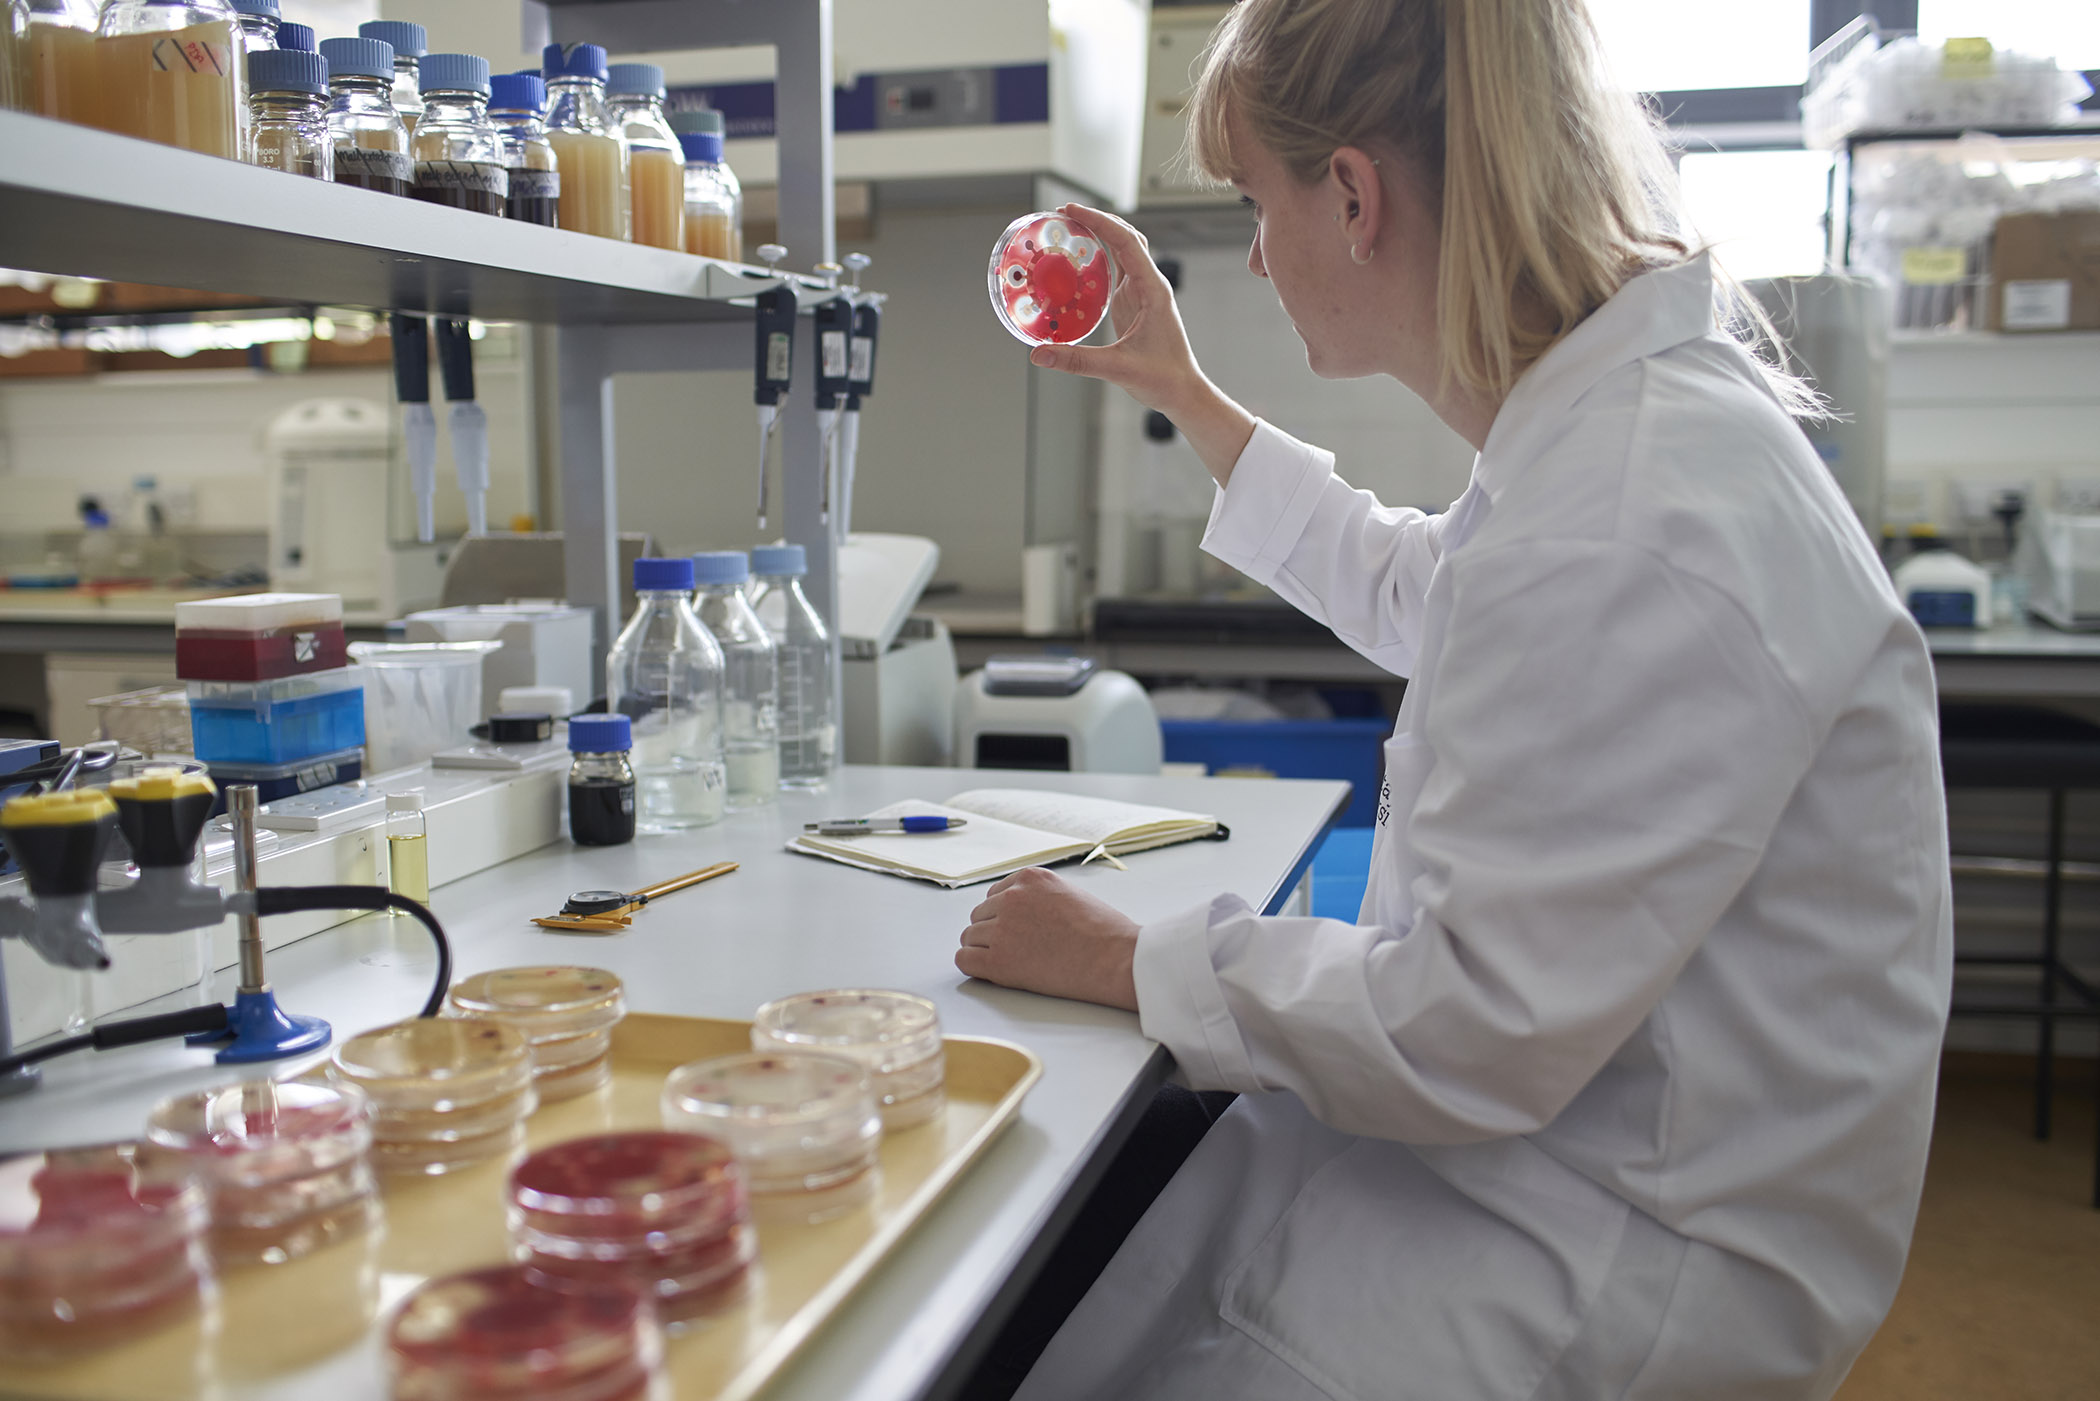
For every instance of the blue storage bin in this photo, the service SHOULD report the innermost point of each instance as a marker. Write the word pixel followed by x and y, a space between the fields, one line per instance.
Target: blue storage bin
pixel 277 722
pixel 1341 870
pixel 1353 750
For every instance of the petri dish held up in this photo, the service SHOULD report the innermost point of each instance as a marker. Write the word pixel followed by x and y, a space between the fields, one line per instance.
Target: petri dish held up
pixel 1051 280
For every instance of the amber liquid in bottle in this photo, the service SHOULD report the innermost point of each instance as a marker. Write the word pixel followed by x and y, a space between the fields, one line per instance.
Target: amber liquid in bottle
pixel 180 87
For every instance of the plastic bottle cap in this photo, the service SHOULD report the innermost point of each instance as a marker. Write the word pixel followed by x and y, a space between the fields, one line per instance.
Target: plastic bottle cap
pixel 638 79
pixel 292 36
pixel 287 70
pixel 721 567
pixel 660 574
pixel 358 58
pixel 517 92
pixel 701 147
pixel 572 61
pixel 408 38
pixel 410 801
pixel 253 7
pixel 700 121
pixel 600 734
pixel 779 559
pixel 454 73
pixel 557 701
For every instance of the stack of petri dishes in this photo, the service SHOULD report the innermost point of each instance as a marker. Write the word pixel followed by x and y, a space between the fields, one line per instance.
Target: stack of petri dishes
pixel 803 1125
pixel 665 1212
pixel 96 1248
pixel 566 1013
pixel 286 1167
pixel 501 1335
pixel 895 1035
pixel 446 1092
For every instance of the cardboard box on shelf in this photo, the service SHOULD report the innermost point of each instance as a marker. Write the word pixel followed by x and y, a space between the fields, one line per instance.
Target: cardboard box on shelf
pixel 2045 272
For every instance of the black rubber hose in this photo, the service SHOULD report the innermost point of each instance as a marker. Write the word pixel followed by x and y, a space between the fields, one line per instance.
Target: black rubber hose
pixel 286 899
pixel 129 1032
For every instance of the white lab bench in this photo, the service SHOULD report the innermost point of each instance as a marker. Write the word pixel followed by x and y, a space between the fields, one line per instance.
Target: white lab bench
pixel 2024 660
pixel 785 923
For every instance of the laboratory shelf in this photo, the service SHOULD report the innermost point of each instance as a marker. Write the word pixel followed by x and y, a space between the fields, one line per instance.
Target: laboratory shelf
pixel 87 203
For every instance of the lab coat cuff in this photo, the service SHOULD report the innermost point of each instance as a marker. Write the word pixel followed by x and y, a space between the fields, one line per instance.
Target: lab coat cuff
pixel 1256 519
pixel 1182 1006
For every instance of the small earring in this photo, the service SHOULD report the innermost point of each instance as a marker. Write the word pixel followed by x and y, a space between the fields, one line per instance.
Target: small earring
pixel 1361 259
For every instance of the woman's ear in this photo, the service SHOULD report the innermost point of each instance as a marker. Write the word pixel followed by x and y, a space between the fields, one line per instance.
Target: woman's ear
pixel 1360 199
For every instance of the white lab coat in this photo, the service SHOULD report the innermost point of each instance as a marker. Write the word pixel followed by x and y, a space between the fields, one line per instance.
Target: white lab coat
pixel 1621 1085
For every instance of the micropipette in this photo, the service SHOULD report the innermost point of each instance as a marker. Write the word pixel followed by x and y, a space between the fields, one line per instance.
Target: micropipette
pixel 834 318
pixel 466 419
pixel 860 375
pixel 411 339
pixel 774 357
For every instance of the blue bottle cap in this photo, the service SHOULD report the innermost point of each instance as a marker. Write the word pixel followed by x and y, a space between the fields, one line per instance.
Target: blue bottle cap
pixel 409 39
pixel 779 559
pixel 517 92
pixel 287 70
pixel 721 567
pixel 358 58
pixel 640 79
pixel 661 574
pixel 252 7
pixel 600 734
pixel 572 61
pixel 700 147
pixel 453 73
pixel 705 120
pixel 296 36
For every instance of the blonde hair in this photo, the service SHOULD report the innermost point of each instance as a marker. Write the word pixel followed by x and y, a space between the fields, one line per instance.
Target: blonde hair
pixel 1554 187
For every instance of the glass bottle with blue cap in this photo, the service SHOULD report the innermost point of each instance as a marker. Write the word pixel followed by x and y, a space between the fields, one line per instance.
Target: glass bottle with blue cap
pixel 665 674
pixel 409 41
pixel 751 687
pixel 371 144
pixel 258 20
pixel 634 96
pixel 458 158
pixel 515 103
pixel 586 140
pixel 601 781
pixel 288 113
pixel 808 729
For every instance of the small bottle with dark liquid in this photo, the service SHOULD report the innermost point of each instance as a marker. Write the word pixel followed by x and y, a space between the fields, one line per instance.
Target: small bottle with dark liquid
pixel 371 144
pixel 516 101
pixel 458 157
pixel 601 781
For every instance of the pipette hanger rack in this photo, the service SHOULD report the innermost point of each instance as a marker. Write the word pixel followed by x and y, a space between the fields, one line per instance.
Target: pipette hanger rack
pixel 610 911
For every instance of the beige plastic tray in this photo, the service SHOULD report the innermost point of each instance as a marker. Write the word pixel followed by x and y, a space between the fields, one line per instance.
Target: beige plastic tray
pixel 273 1323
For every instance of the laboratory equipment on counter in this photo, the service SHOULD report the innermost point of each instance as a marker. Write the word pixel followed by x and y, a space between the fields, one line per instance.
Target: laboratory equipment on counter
pixel 587 144
pixel 410 338
pixel 171 72
pixel 258 21
pixel 557 701
pixel 751 677
pixel 804 1125
pixel 808 729
pixel 714 200
pixel 665 675
pixel 860 383
pixel 458 158
pixel 331 461
pixel 897 670
pixel 773 331
pixel 895 1035
pixel 300 37
pixel 409 41
pixel 1835 330
pixel 834 327
pixel 63 79
pixel 100 551
pixel 515 102
pixel 446 1092
pixel 608 911
pixel 274 782
pixel 371 144
pixel 259 636
pixel 2060 558
pixel 601 781
pixel 288 113
pixel 407 845
pixel 634 98
pixel 566 1013
pixel 1051 280
pixel 280 721
pixel 544 644
pixel 508 1334
pixel 1943 590
pixel 419 697
pixel 465 419
pixel 1096 722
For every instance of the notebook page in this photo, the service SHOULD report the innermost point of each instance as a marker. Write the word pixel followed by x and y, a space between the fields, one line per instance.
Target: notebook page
pixel 985 843
pixel 1096 821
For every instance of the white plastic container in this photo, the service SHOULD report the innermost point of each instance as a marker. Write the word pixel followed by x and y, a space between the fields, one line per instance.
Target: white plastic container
pixel 1941 589
pixel 420 697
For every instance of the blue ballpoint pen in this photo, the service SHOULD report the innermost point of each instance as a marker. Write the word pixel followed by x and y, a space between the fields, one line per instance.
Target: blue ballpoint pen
pixel 865 826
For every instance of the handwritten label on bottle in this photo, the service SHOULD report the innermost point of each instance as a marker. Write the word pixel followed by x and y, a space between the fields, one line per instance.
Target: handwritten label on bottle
pixel 534 184
pixel 365 162
pixel 467 176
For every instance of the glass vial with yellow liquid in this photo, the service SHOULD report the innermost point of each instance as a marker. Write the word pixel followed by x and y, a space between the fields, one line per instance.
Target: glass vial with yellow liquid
pixel 63 79
pixel 587 144
pixel 714 201
pixel 407 846
pixel 171 72
pixel 634 94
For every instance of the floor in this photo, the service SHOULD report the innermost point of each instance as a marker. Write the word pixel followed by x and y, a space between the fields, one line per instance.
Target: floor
pixel 2001 1301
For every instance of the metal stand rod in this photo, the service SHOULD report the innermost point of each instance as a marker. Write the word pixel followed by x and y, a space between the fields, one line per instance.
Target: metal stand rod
pixel 240 802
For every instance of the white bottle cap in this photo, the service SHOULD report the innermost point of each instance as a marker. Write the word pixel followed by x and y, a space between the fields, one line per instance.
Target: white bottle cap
pixel 557 701
pixel 410 801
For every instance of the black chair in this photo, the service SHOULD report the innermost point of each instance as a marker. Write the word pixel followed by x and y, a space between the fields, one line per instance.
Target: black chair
pixel 2028 747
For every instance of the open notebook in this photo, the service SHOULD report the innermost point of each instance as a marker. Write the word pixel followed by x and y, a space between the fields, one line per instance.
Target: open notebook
pixel 1008 829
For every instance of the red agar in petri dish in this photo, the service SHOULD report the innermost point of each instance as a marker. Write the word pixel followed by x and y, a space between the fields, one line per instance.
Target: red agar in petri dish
pixel 498 1334
pixel 1051 280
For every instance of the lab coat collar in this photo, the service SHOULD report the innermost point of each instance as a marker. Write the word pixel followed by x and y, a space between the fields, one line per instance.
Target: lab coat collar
pixel 1650 314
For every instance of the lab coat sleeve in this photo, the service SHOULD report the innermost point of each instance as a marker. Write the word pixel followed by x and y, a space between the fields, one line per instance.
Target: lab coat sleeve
pixel 1605 755
pixel 1287 521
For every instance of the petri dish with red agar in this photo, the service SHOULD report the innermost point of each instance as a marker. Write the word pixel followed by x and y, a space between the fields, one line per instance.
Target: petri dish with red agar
pixel 501 1334
pixel 664 1211
pixel 1051 280
pixel 896 1035
pixel 567 1013
pixel 446 1092
pixel 804 1126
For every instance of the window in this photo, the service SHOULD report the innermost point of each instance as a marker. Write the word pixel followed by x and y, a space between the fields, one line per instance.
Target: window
pixel 2065 30
pixel 1672 45
pixel 1761 210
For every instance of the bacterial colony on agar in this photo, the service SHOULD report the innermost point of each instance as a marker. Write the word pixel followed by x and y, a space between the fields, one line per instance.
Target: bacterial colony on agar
pixel 1051 280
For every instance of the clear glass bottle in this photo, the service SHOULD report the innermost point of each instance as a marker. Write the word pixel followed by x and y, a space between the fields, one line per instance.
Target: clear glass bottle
pixel 601 781
pixel 371 144
pixel 634 94
pixel 808 730
pixel 714 201
pixel 665 675
pixel 458 158
pixel 751 676
pixel 63 81
pixel 407 846
pixel 515 103
pixel 170 72
pixel 587 144
pixel 410 41
pixel 258 19
pixel 288 113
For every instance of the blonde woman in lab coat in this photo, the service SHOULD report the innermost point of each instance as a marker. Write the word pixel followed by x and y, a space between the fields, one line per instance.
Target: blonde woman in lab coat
pixel 1620 1085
